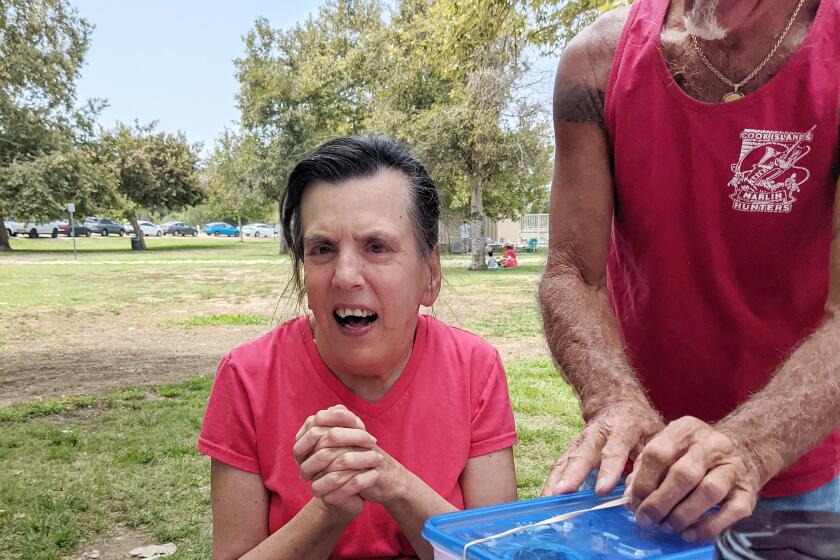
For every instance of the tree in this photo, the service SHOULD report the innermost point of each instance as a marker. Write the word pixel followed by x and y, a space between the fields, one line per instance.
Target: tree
pixel 446 76
pixel 306 85
pixel 235 178
pixel 458 99
pixel 553 24
pixel 151 170
pixel 42 47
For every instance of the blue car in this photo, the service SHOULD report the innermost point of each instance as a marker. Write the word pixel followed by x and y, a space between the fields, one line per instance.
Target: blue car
pixel 220 228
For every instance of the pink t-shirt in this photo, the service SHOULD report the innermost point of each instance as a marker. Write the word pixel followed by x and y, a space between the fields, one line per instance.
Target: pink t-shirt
pixel 450 404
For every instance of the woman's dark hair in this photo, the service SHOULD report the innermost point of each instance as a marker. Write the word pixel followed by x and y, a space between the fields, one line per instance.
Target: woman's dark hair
pixel 351 157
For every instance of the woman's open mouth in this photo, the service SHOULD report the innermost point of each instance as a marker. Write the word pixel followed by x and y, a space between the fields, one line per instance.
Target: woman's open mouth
pixel 354 319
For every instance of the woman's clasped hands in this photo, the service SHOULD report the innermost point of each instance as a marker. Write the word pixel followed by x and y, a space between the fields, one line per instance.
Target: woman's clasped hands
pixel 344 463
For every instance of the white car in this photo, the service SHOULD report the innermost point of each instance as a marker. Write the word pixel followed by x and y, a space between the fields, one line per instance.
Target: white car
pixel 35 229
pixel 148 228
pixel 12 227
pixel 258 230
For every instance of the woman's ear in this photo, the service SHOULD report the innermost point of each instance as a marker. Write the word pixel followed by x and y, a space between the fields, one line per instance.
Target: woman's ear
pixel 432 289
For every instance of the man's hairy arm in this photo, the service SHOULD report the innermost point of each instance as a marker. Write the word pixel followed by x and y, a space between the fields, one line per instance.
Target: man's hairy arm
pixel 691 466
pixel 803 395
pixel 580 326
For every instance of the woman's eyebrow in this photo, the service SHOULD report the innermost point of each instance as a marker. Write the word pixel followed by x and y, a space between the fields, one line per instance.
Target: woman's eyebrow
pixel 316 238
pixel 382 237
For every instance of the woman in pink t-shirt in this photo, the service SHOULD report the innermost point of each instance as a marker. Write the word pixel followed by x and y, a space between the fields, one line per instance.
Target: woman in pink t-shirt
pixel 509 258
pixel 339 433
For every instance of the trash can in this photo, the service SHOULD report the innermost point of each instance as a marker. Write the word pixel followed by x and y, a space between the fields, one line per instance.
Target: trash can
pixel 782 534
pixel 135 244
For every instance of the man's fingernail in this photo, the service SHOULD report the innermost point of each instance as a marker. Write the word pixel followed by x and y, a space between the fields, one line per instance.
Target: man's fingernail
pixel 560 486
pixel 643 520
pixel 599 486
pixel 666 528
pixel 372 439
pixel 689 536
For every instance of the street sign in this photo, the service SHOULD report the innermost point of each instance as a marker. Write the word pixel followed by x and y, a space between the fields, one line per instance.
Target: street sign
pixel 71 207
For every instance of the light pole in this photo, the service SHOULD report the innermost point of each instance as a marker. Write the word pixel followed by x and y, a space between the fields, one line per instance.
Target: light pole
pixel 72 208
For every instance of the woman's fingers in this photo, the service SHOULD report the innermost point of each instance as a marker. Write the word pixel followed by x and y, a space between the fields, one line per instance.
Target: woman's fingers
pixel 331 482
pixel 317 438
pixel 337 415
pixel 332 459
pixel 336 487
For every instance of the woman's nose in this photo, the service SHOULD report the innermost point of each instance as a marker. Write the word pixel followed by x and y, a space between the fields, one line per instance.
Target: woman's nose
pixel 348 271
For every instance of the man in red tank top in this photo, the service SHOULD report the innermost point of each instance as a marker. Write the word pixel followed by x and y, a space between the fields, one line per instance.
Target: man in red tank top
pixel 692 291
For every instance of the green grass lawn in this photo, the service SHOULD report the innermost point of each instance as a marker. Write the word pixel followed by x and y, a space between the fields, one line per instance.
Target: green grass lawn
pixel 79 470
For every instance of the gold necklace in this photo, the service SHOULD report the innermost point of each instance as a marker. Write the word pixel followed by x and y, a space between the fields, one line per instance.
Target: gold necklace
pixel 735 95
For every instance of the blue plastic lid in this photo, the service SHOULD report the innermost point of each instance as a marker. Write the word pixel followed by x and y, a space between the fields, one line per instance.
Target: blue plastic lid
pixel 606 533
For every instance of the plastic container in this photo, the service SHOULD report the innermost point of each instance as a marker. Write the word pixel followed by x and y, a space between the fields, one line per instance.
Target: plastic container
pixel 607 533
pixel 780 535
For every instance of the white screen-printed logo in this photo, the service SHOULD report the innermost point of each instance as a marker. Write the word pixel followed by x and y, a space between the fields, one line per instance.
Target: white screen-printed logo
pixel 767 176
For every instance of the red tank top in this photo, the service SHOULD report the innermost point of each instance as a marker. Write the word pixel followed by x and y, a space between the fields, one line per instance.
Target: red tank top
pixel 720 249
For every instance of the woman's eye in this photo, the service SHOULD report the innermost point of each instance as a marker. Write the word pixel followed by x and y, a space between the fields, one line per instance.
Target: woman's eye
pixel 377 248
pixel 323 250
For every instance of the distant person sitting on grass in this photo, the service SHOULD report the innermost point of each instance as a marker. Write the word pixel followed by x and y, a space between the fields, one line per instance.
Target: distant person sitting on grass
pixel 340 432
pixel 509 259
pixel 491 260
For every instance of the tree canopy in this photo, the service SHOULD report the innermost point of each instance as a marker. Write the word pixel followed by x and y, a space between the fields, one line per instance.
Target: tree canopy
pixel 445 76
pixel 42 47
pixel 151 170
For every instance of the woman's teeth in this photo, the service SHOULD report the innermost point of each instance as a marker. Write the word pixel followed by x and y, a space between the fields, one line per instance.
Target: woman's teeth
pixel 348 312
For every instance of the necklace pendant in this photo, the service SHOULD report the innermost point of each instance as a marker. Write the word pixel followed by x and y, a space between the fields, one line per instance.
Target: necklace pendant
pixel 732 96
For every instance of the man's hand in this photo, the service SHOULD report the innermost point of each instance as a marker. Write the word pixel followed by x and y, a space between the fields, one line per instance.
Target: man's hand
pixel 686 470
pixel 336 437
pixel 610 437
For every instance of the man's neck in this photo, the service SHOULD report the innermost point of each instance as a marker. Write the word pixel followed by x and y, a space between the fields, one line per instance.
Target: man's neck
pixel 741 21
pixel 752 27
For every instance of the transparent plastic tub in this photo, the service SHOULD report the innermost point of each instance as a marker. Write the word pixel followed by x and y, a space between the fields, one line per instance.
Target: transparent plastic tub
pixel 607 533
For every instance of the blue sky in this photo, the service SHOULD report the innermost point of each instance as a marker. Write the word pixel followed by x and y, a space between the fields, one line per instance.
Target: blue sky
pixel 172 61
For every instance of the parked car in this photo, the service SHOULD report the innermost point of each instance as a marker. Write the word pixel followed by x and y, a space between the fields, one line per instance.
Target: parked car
pixel 221 228
pixel 148 228
pixel 258 230
pixel 178 228
pixel 81 229
pixel 12 227
pixel 105 227
pixel 37 229
pixel 128 228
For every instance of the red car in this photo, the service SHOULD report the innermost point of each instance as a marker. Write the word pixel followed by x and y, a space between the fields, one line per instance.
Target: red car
pixel 81 229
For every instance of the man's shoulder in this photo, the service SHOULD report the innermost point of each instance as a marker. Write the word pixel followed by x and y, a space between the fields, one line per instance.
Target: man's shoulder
pixel 593 49
pixel 605 31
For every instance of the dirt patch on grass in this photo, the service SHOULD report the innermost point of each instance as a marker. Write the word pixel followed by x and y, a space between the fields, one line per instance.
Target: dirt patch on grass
pixel 93 350
pixel 90 353
pixel 114 547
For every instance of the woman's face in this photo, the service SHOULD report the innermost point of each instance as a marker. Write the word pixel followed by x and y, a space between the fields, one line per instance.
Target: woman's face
pixel 364 276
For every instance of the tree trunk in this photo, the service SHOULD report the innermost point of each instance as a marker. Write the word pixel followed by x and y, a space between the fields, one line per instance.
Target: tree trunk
pixel 4 236
pixel 241 234
pixel 137 231
pixel 477 224
pixel 284 249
